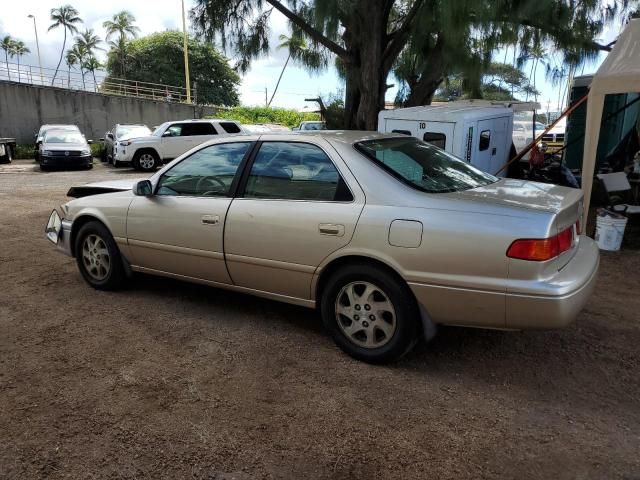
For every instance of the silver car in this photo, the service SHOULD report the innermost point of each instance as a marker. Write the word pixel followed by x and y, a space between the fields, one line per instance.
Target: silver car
pixel 386 235
pixel 64 148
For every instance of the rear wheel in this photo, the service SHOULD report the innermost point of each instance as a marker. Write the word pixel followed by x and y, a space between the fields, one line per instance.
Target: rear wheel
pixel 370 313
pixel 98 257
pixel 147 161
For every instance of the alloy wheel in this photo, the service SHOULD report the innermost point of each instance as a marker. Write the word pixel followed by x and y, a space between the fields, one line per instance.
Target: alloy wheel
pixel 147 161
pixel 365 314
pixel 95 257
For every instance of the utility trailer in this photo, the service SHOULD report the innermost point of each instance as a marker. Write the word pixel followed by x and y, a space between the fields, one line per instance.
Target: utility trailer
pixel 7 149
pixel 477 131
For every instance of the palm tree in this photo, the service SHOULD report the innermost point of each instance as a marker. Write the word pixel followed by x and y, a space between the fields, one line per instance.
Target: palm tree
pixel 297 46
pixel 89 41
pixel 121 25
pixel 7 45
pixel 71 60
pixel 80 55
pixel 67 18
pixel 91 64
pixel 19 49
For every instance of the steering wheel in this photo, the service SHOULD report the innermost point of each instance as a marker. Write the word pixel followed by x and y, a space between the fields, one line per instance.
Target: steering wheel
pixel 213 181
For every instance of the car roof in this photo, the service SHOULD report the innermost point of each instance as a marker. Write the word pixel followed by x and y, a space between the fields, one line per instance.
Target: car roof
pixel 347 137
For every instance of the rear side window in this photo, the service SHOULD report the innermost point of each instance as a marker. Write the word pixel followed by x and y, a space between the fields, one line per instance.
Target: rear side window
pixel 199 128
pixel 295 171
pixel 485 140
pixel 230 127
pixel 436 139
pixel 403 132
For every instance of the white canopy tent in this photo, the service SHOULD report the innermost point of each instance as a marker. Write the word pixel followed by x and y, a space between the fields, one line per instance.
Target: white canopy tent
pixel 619 73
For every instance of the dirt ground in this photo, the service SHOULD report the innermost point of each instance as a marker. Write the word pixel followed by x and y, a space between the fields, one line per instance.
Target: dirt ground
pixel 171 380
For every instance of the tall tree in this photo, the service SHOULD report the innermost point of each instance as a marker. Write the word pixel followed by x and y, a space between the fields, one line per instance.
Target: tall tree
pixel 158 58
pixel 121 26
pixel 66 17
pixel 7 45
pixel 88 42
pixel 20 49
pixel 80 54
pixel 296 45
pixel 91 64
pixel 71 60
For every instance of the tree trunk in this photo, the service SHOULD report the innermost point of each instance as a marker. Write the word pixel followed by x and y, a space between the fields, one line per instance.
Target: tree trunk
pixel 69 77
pixel 95 83
pixel 19 78
pixel 64 44
pixel 430 78
pixel 279 78
pixel 6 59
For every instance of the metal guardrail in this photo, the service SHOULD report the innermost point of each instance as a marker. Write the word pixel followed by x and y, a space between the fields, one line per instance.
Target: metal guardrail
pixel 100 83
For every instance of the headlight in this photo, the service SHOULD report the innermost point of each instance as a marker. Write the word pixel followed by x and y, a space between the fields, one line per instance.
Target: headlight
pixel 125 143
pixel 86 151
pixel 47 152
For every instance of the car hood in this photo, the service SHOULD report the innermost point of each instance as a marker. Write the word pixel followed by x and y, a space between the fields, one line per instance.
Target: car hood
pixel 524 194
pixel 62 147
pixel 144 138
pixel 97 188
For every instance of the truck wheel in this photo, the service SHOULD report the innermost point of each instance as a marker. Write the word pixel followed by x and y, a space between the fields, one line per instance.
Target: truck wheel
pixel 146 161
pixel 9 154
pixel 370 314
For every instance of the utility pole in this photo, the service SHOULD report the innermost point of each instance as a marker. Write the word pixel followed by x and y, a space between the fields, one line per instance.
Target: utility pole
pixel 35 29
pixel 266 102
pixel 186 56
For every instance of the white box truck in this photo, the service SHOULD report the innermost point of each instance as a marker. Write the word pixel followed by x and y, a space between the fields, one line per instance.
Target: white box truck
pixel 479 132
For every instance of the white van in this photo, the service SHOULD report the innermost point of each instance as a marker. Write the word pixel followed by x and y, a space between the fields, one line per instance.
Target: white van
pixel 478 132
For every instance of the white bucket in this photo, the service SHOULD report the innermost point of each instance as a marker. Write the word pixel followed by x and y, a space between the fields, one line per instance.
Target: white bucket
pixel 610 230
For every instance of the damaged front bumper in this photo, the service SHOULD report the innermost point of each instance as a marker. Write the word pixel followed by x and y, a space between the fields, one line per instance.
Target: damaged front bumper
pixel 58 232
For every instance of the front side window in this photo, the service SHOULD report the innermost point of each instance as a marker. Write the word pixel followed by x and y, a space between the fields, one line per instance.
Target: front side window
pixel 206 173
pixel 174 130
pixel 295 171
pixel 424 166
pixel 437 139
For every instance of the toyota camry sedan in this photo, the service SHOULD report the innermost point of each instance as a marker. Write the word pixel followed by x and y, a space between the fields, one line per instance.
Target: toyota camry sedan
pixel 387 236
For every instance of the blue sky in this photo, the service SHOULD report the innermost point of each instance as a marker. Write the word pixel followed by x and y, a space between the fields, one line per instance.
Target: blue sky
pixel 296 84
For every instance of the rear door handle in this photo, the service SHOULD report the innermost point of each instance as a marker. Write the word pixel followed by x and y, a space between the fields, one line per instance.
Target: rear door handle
pixel 210 219
pixel 331 229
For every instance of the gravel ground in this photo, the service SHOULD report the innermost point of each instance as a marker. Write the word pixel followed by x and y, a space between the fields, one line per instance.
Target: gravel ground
pixel 171 380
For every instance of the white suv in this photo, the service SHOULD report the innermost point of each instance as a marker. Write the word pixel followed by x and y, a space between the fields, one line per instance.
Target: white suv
pixel 170 140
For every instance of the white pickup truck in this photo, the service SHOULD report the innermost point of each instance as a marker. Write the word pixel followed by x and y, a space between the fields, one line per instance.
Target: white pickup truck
pixel 170 140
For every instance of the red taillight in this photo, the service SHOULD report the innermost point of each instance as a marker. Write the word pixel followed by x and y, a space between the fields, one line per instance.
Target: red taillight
pixel 539 250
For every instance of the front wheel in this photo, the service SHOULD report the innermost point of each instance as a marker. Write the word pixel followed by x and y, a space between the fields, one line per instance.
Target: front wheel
pixel 98 257
pixel 370 313
pixel 147 161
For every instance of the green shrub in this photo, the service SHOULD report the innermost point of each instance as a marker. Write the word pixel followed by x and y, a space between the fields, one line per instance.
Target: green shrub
pixel 96 149
pixel 250 115
pixel 23 151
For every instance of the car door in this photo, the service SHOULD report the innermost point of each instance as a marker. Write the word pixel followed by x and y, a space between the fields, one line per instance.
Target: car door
pixel 179 229
pixel 175 141
pixel 297 204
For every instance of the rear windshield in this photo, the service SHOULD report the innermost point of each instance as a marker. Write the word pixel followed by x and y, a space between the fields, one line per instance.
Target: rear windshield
pixel 424 166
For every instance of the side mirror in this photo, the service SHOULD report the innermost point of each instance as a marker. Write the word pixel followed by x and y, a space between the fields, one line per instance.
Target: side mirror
pixel 110 136
pixel 167 133
pixel 89 142
pixel 143 188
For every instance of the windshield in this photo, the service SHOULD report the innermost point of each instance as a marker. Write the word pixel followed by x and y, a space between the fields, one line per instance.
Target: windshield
pixel 124 132
pixel 157 131
pixel 314 126
pixel 424 166
pixel 61 136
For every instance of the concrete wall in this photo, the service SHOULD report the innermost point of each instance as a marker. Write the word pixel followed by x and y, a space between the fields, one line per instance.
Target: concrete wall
pixel 23 108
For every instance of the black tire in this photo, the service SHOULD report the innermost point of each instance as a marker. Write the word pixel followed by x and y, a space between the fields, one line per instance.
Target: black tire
pixel 44 168
pixel 103 155
pixel 8 154
pixel 141 161
pixel 406 314
pixel 114 276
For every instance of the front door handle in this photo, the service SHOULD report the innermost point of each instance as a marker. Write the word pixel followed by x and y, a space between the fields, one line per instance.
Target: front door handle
pixel 210 219
pixel 331 229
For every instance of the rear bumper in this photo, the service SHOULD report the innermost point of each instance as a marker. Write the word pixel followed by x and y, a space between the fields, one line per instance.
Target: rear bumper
pixel 565 295
pixel 552 303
